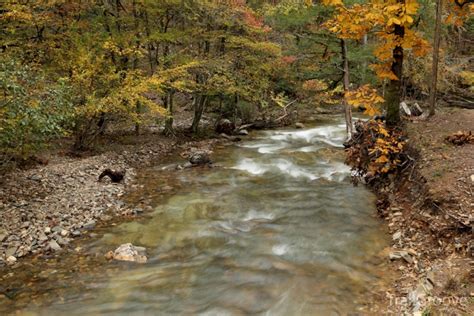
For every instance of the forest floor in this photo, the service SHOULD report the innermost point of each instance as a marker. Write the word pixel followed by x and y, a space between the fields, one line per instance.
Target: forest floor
pixel 430 216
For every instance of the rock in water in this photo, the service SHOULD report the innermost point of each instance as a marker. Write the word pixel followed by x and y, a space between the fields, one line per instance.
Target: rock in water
pixel 243 132
pixel 299 125
pixel 199 158
pixel 129 252
pixel 115 176
pixel 225 126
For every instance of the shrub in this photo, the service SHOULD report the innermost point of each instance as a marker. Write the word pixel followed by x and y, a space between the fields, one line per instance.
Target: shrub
pixel 33 110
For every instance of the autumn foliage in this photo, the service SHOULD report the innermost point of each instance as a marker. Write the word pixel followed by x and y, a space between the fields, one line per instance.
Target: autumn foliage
pixel 375 151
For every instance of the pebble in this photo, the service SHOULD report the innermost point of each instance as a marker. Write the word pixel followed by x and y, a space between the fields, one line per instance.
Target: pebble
pixel 53 245
pixel 89 225
pixel 11 260
pixel 3 236
pixel 62 241
pixel 397 235
pixel 42 237
pixel 11 251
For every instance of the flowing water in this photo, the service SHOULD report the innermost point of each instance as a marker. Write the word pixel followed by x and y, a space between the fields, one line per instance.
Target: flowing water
pixel 276 229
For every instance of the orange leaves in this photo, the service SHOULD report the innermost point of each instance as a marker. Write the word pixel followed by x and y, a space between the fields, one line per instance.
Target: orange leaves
pixel 315 85
pixel 353 22
pixel 317 91
pixel 288 59
pixel 375 150
pixel 366 97
pixel 384 71
pixel 418 45
pixel 250 18
pixel 459 11
pixel 401 13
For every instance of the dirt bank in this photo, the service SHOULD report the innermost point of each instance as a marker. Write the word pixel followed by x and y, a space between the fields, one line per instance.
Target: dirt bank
pixel 429 211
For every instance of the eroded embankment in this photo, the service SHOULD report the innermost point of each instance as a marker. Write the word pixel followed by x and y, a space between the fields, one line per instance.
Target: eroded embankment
pixel 428 205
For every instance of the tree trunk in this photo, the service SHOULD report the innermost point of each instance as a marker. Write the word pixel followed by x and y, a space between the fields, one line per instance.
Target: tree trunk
pixel 198 110
pixel 434 69
pixel 234 110
pixel 346 82
pixel 392 99
pixel 169 131
pixel 365 67
pixel 138 110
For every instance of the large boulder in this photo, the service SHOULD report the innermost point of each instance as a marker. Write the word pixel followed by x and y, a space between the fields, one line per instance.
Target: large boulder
pixel 225 126
pixel 200 158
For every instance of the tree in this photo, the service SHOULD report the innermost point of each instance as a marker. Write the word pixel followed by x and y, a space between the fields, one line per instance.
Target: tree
pixel 436 44
pixel 392 21
pixel 346 83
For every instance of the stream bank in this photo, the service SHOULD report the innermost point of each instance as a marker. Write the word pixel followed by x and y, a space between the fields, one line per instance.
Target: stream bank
pixel 44 208
pixel 429 210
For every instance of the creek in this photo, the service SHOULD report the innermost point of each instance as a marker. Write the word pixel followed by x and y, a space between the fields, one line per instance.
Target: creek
pixel 276 228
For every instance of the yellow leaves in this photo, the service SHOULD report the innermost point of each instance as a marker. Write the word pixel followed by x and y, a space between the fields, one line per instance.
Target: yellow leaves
pixel 376 150
pixel 393 20
pixel 382 159
pixel 332 2
pixel 384 152
pixel 317 91
pixel 17 15
pixel 315 85
pixel 383 71
pixel 381 130
pixel 401 13
pixel 353 22
pixel 280 99
pixel 117 49
pixel 411 7
pixel 412 40
pixel 467 77
pixel 364 96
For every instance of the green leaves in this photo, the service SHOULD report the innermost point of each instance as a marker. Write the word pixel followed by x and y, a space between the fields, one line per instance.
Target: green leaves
pixel 32 110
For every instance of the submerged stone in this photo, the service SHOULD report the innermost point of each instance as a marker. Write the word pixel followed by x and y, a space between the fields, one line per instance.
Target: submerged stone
pixel 129 252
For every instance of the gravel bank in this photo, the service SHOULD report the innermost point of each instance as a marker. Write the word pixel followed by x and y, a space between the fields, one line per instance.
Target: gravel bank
pixel 44 208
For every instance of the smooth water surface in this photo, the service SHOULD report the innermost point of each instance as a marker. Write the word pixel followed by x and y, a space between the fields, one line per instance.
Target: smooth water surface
pixel 276 229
